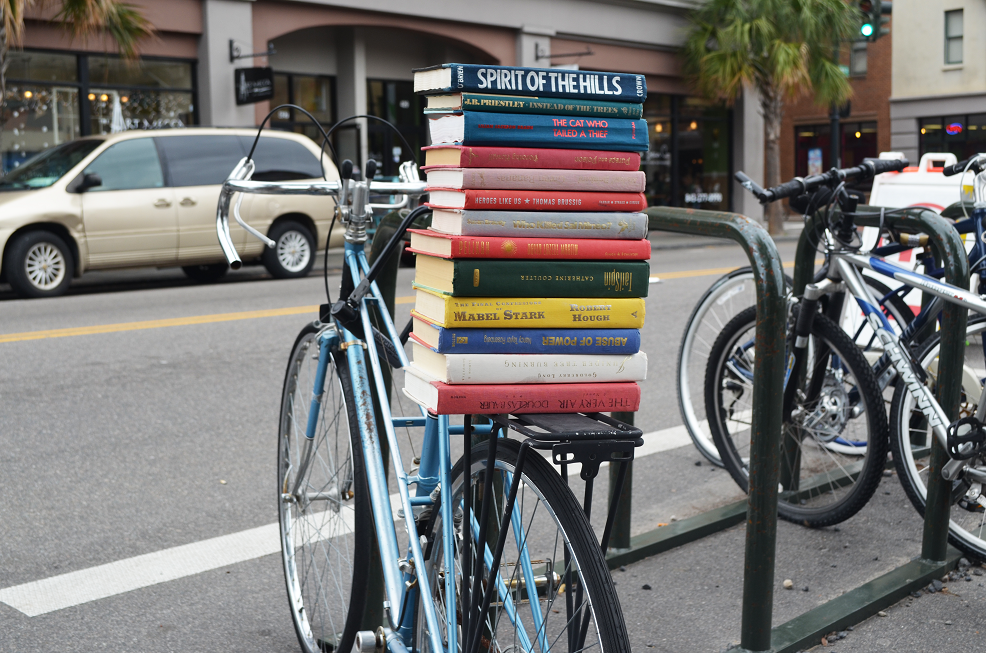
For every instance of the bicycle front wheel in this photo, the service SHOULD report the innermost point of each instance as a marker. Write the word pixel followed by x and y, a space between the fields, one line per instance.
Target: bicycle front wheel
pixel 835 444
pixel 911 438
pixel 553 590
pixel 323 501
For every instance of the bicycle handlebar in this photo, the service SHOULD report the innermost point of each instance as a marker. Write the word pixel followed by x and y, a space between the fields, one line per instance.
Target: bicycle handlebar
pixel 978 163
pixel 239 182
pixel 799 185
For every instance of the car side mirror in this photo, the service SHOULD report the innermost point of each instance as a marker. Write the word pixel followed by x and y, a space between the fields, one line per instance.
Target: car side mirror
pixel 84 182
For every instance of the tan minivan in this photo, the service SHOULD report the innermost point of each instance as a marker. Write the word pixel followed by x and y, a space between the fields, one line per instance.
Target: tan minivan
pixel 148 198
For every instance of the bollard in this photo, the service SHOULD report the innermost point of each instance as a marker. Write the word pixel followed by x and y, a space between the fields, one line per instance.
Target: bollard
pixel 768 390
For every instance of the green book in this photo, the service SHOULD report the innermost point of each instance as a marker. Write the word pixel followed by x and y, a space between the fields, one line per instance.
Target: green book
pixel 527 278
pixel 458 102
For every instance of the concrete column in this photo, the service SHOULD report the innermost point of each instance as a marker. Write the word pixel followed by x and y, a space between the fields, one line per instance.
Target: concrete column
pixel 351 92
pixel 748 151
pixel 223 20
pixel 530 40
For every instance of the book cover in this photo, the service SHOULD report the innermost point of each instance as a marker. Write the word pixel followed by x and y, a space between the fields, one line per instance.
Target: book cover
pixel 464 156
pixel 534 200
pixel 526 341
pixel 532 278
pixel 472 369
pixel 434 243
pixel 531 312
pixel 443 399
pixel 540 82
pixel 541 224
pixel 619 181
pixel 530 130
pixel 521 104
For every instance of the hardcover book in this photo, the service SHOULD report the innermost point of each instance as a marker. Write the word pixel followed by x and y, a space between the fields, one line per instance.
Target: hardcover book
pixel 525 341
pixel 621 181
pixel 534 200
pixel 542 224
pixel 540 82
pixel 529 278
pixel 472 369
pixel 532 312
pixel 530 130
pixel 434 243
pixel 443 399
pixel 464 156
pixel 520 104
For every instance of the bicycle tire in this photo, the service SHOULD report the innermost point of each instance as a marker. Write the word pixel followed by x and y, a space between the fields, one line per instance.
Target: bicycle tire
pixel 590 577
pixel 325 573
pixel 821 496
pixel 967 526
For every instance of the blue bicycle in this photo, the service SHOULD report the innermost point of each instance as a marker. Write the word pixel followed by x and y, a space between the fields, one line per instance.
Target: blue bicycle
pixel 493 552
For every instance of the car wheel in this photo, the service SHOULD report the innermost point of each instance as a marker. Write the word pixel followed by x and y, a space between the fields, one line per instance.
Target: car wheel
pixel 39 264
pixel 206 273
pixel 293 254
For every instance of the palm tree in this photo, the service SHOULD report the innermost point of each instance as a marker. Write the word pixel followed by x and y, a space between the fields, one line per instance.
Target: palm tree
pixel 782 48
pixel 82 18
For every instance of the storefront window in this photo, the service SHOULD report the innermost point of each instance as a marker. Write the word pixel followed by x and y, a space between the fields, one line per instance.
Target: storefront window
pixel 813 149
pixel 54 97
pixel 396 103
pixel 688 162
pixel 315 94
pixel 963 136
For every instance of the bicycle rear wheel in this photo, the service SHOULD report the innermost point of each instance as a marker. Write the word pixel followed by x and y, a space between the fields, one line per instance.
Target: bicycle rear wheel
pixel 911 438
pixel 323 502
pixel 835 444
pixel 550 546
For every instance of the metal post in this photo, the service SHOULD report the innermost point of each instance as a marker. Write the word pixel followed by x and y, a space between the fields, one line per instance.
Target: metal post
pixel 768 388
pixel 620 537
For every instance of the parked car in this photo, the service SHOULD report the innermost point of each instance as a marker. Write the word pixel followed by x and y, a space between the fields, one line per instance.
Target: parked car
pixel 148 198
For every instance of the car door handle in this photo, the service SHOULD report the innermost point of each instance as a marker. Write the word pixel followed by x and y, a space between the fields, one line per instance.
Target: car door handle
pixel 162 204
pixel 188 201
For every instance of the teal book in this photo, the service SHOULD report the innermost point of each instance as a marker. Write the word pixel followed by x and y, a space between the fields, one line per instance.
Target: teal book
pixel 459 102
pixel 531 130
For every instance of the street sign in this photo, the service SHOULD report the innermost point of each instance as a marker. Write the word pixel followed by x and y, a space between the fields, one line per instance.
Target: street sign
pixel 253 85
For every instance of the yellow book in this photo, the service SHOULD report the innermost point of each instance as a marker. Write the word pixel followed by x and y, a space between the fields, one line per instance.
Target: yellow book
pixel 533 312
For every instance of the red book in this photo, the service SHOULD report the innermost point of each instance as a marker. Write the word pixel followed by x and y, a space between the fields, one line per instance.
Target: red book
pixel 443 399
pixel 464 156
pixel 534 200
pixel 612 181
pixel 442 245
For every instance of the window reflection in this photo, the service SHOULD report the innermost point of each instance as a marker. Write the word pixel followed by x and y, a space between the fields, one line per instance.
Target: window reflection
pixel 37 117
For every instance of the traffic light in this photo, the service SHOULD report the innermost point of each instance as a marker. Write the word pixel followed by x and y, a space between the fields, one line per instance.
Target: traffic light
pixel 875 17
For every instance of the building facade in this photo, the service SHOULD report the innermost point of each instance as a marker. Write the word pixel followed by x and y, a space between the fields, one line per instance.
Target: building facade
pixel 340 59
pixel 938 101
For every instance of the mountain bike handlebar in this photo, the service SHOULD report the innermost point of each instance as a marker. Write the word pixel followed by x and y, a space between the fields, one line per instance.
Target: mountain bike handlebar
pixel 800 185
pixel 978 163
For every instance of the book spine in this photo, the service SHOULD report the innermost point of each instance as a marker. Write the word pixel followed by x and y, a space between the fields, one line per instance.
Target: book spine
pixel 584 180
pixel 544 312
pixel 546 398
pixel 546 82
pixel 552 200
pixel 538 341
pixel 528 130
pixel 474 247
pixel 471 369
pixel 554 279
pixel 518 157
pixel 520 224
pixel 550 106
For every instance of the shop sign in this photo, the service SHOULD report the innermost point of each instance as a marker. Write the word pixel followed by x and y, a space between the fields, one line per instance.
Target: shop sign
pixel 254 85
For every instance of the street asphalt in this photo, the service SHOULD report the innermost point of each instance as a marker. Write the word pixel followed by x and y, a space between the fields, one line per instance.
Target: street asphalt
pixel 148 437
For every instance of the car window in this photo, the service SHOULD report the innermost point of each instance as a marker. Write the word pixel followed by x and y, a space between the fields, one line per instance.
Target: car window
pixel 128 165
pixel 280 159
pixel 200 160
pixel 48 167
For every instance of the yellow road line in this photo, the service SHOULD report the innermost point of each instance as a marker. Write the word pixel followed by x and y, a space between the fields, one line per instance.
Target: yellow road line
pixel 250 315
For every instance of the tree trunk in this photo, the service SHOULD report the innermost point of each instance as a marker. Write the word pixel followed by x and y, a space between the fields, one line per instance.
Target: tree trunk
pixel 772 107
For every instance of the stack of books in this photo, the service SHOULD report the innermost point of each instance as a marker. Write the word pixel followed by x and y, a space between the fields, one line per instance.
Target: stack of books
pixel 529 284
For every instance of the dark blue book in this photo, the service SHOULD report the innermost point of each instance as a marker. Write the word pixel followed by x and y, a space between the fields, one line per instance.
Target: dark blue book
pixel 525 341
pixel 474 128
pixel 537 82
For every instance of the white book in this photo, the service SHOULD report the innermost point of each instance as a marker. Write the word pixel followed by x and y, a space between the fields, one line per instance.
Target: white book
pixel 467 369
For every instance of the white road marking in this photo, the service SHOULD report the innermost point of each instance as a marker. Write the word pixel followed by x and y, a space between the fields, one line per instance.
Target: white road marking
pixel 86 585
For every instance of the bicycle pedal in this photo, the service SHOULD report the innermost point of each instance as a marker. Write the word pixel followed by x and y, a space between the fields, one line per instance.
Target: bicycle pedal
pixel 964 444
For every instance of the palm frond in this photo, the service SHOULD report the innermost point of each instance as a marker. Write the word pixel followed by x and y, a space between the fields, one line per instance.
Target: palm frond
pixel 123 21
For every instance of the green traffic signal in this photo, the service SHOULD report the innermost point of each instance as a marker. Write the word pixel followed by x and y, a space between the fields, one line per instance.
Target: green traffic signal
pixel 866 30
